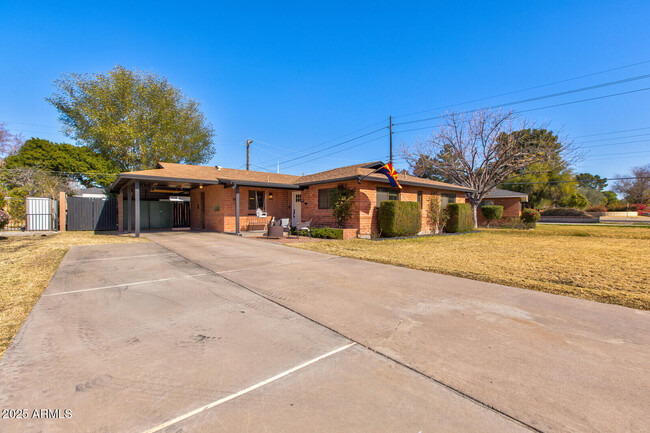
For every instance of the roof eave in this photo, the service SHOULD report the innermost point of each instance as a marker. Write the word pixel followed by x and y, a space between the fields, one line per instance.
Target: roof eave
pixel 120 178
pixel 403 182
pixel 260 184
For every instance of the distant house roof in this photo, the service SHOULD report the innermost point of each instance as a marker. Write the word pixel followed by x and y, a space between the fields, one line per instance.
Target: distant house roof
pixel 195 174
pixel 91 192
pixel 504 193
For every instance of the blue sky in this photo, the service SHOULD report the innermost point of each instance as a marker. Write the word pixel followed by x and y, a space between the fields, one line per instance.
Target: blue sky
pixel 294 77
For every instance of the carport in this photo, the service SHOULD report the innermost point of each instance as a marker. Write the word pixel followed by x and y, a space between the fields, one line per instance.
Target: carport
pixel 153 203
pixel 217 198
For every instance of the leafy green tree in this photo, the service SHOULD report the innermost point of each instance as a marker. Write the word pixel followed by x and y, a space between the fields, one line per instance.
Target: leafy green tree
pixel 545 187
pixel 342 200
pixel 594 196
pixel 588 180
pixel 425 167
pixel 78 163
pixel 577 201
pixel 548 181
pixel 135 119
pixel 611 198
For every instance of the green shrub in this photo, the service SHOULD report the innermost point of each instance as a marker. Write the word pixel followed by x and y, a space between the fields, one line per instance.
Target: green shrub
pixel 461 218
pixel 3 202
pixel 437 215
pixel 564 211
pixel 324 233
pixel 492 212
pixel 530 217
pixel 399 218
pixel 577 201
pixel 342 202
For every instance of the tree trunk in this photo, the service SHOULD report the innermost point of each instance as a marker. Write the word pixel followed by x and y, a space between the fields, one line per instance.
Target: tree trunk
pixel 474 210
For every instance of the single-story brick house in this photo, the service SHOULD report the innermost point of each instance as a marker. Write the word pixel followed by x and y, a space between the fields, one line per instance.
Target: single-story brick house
pixel 226 200
pixel 510 200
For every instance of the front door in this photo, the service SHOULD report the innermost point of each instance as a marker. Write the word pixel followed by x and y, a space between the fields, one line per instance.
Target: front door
pixel 296 200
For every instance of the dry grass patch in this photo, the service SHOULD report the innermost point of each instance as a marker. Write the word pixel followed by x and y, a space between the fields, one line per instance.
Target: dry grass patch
pixel 27 263
pixel 606 264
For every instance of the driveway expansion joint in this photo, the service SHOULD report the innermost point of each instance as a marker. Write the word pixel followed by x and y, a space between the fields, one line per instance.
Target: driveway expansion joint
pixel 386 356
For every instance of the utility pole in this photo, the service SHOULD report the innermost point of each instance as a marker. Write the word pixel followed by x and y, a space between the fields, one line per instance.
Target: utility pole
pixel 390 129
pixel 248 146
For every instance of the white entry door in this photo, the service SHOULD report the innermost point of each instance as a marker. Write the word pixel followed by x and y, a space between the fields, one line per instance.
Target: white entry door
pixel 296 201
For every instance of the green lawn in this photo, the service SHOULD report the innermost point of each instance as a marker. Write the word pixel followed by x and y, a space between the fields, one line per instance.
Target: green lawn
pixel 602 263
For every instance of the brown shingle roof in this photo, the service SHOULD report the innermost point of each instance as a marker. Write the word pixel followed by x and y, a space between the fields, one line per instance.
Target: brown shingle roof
pixel 358 170
pixel 336 173
pixel 199 173
pixel 210 174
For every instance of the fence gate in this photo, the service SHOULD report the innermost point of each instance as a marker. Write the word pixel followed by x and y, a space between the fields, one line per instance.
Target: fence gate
pixel 40 214
pixel 16 210
pixel 85 213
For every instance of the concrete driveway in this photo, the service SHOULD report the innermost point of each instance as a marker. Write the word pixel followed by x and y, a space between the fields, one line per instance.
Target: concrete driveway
pixel 554 363
pixel 136 338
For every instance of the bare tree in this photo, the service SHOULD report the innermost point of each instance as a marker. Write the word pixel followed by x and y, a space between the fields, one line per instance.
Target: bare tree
pixel 635 190
pixel 35 182
pixel 9 143
pixel 480 150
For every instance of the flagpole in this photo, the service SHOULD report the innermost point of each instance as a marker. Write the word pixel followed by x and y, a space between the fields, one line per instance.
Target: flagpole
pixel 372 172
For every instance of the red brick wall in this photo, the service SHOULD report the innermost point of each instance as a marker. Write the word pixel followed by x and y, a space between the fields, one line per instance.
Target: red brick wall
pixel 220 206
pixel 323 217
pixel 511 209
pixel 364 216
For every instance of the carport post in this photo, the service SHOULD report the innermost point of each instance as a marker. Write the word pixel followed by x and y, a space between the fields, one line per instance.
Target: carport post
pixel 129 194
pixel 137 208
pixel 237 209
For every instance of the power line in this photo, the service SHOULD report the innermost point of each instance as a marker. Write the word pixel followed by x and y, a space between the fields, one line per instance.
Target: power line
pixel 611 132
pixel 59 172
pixel 335 139
pixel 330 147
pixel 615 144
pixel 569 181
pixel 621 153
pixel 338 151
pixel 537 98
pixel 262 168
pixel 614 138
pixel 540 108
pixel 528 88
pixel 30 124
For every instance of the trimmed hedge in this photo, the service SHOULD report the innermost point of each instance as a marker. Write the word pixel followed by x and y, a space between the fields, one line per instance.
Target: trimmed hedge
pixel 461 218
pixel 399 218
pixel 564 211
pixel 325 233
pixel 492 212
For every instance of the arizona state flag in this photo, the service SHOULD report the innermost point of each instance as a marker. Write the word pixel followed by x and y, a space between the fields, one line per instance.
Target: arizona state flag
pixel 391 174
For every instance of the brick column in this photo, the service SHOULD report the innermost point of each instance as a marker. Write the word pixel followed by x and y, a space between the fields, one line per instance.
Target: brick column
pixel 63 208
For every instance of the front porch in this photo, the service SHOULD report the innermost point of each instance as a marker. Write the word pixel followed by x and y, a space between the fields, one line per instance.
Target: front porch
pixel 234 207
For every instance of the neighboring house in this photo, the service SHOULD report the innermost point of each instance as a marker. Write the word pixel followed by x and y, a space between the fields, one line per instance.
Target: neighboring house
pixel 510 200
pixel 92 193
pixel 215 192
